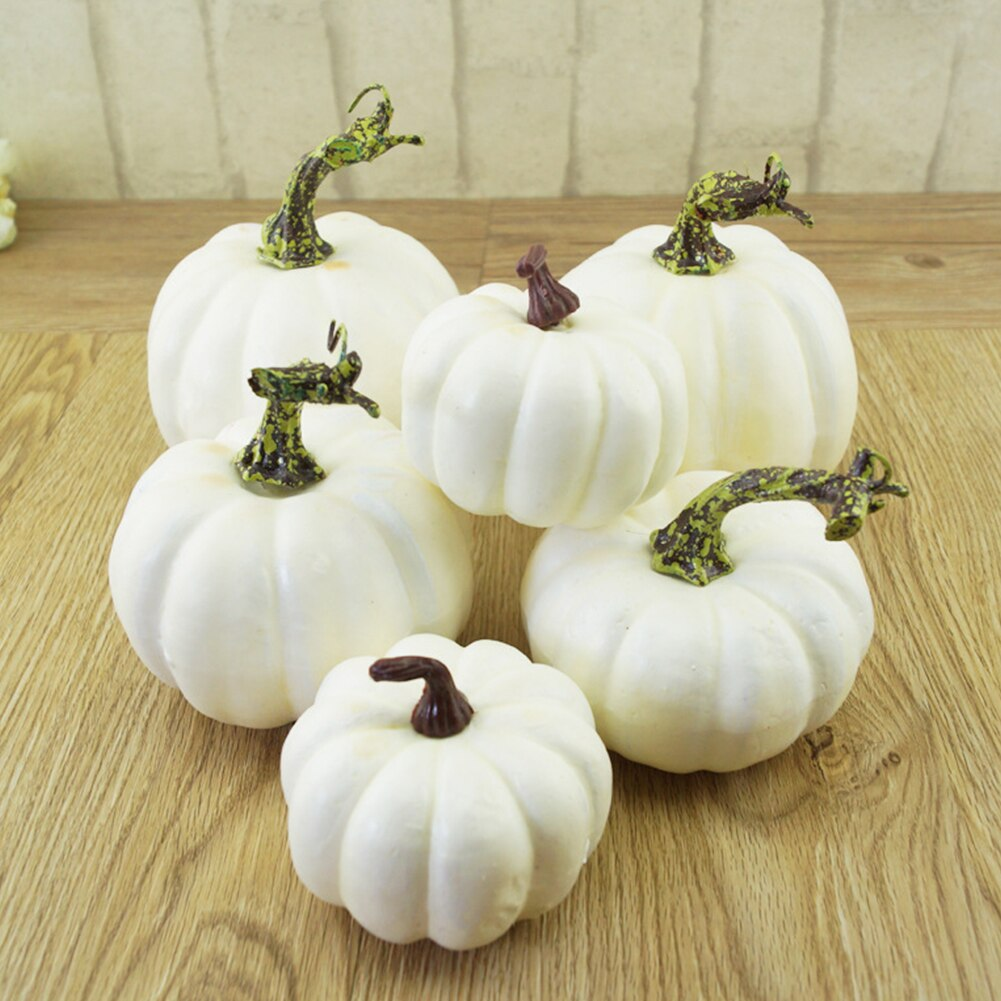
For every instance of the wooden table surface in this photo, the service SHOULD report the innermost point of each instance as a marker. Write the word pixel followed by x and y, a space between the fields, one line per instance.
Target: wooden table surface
pixel 143 846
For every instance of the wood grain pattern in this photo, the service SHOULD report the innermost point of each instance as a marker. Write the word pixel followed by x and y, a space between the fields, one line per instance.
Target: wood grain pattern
pixel 143 846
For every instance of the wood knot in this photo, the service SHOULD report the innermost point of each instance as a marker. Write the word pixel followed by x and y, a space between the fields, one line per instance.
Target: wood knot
pixel 819 740
pixel 924 260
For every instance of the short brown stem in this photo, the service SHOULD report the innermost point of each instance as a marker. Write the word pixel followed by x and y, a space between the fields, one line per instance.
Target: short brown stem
pixel 549 302
pixel 442 710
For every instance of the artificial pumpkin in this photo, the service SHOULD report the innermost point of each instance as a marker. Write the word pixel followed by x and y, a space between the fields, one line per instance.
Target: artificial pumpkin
pixel 233 305
pixel 736 647
pixel 538 406
pixel 764 340
pixel 242 574
pixel 450 813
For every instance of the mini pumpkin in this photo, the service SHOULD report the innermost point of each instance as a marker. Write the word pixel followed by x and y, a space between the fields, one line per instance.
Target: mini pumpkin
pixel 762 649
pixel 233 305
pixel 448 814
pixel 240 581
pixel 538 406
pixel 764 340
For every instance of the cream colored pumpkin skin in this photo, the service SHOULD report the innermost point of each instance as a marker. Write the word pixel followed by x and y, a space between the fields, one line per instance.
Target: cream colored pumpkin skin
pixel 771 370
pixel 244 598
pixel 221 312
pixel 568 425
pixel 452 839
pixel 718 677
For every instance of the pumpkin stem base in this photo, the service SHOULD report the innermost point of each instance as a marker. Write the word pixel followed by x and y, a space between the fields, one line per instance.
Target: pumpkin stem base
pixel 723 196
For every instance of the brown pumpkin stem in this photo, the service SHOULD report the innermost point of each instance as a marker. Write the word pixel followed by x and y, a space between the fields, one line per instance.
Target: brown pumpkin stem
pixel 549 302
pixel 442 710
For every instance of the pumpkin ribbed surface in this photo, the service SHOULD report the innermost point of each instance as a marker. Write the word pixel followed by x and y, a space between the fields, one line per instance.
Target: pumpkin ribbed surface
pixel 452 839
pixel 244 599
pixel 766 348
pixel 717 677
pixel 222 312
pixel 571 425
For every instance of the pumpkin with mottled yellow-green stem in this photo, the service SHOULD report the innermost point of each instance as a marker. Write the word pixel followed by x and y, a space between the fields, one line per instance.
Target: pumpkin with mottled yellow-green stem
pixel 246 565
pixel 708 630
pixel 762 334
pixel 255 296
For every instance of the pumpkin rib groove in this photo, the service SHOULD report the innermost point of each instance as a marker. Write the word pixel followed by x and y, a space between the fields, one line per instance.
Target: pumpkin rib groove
pixel 377 513
pixel 580 500
pixel 813 664
pixel 440 421
pixel 168 580
pixel 369 790
pixel 313 772
pixel 662 457
pixel 813 375
pixel 191 358
pixel 793 631
pixel 293 662
pixel 207 527
pixel 519 811
pixel 341 504
pixel 532 378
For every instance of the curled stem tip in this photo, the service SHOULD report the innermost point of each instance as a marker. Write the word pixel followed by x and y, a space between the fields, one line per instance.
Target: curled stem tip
pixel 692 547
pixel 549 302
pixel 723 196
pixel 276 454
pixel 442 710
pixel 289 236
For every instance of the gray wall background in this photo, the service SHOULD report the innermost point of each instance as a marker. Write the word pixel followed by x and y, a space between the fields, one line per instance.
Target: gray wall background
pixel 218 98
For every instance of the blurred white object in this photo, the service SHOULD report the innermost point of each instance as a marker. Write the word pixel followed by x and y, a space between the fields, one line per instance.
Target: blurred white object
pixel 8 228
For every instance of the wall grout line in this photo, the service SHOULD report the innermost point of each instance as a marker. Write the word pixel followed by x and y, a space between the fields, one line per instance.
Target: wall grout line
pixel 341 179
pixel 112 120
pixel 825 95
pixel 933 174
pixel 701 96
pixel 233 178
pixel 571 173
pixel 462 169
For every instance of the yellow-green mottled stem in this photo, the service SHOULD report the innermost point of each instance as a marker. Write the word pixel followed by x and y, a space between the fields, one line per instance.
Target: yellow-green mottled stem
pixel 549 302
pixel 289 236
pixel 442 710
pixel 692 546
pixel 723 196
pixel 276 454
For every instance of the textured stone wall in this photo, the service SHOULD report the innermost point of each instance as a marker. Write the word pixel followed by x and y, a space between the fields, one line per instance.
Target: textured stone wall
pixel 217 98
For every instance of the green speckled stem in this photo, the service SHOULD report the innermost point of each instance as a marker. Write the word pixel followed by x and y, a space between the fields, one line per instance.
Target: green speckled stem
pixel 692 546
pixel 723 196
pixel 549 302
pixel 276 454
pixel 289 236
pixel 442 710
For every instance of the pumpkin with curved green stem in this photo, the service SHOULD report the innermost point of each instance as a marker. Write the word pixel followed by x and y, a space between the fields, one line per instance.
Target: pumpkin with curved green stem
pixel 246 565
pixel 710 630
pixel 763 337
pixel 261 295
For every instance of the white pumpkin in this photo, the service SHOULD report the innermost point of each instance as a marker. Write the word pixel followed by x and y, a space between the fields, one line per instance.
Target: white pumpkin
pixel 456 836
pixel 572 423
pixel 771 369
pixel 715 677
pixel 227 308
pixel 243 595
